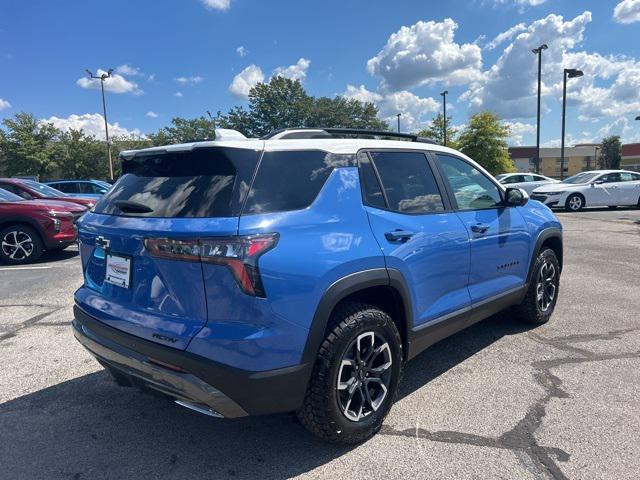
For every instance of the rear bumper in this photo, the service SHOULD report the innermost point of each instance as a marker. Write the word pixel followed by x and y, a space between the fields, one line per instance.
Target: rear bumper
pixel 196 381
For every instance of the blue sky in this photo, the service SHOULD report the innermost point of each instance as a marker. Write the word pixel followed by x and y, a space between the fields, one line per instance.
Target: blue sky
pixel 183 57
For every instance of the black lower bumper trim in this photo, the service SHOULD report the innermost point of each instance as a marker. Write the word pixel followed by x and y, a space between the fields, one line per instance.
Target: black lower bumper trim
pixel 230 391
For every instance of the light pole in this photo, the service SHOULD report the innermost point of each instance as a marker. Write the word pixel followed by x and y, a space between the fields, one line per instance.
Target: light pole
pixel 398 115
pixel 444 120
pixel 595 157
pixel 538 51
pixel 570 73
pixel 102 78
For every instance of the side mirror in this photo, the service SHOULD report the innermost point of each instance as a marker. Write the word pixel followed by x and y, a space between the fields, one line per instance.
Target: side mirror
pixel 516 197
pixel 598 182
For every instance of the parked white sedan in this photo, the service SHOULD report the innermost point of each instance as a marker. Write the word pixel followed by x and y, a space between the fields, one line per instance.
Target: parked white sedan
pixel 597 188
pixel 526 181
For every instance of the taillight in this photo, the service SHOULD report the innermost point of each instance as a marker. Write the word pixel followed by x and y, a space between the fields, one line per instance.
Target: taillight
pixel 239 254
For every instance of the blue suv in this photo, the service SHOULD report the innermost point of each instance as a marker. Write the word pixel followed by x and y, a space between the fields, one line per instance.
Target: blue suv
pixel 300 271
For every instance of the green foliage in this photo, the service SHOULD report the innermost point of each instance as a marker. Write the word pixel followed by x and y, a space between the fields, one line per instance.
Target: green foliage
pixel 28 146
pixel 435 128
pixel 283 103
pixel 184 130
pixel 485 141
pixel 611 152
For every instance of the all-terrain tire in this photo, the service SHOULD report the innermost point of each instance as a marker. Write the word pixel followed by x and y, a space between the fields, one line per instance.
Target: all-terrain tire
pixel 322 412
pixel 532 308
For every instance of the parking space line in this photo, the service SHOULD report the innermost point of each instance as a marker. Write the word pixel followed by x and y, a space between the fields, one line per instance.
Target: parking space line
pixel 35 267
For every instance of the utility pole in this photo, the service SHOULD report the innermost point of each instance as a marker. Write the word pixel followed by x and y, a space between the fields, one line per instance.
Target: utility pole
pixel 568 73
pixel 398 115
pixel 102 78
pixel 444 120
pixel 538 51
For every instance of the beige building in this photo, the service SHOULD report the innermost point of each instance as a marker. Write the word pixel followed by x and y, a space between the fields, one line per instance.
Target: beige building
pixel 576 159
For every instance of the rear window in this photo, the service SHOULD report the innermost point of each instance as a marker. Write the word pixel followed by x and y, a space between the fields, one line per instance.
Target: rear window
pixel 291 180
pixel 204 182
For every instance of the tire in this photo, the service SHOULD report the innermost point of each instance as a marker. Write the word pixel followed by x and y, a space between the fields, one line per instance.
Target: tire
pixel 20 244
pixel 612 207
pixel 535 310
pixel 575 202
pixel 356 329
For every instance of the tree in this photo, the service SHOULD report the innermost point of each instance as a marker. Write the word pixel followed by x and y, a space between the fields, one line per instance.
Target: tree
pixel 434 131
pixel 611 152
pixel 283 103
pixel 80 156
pixel 485 141
pixel 27 146
pixel 184 130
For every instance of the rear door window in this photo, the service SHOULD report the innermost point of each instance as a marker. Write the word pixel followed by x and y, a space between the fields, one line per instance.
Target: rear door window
pixel 204 182
pixel 291 180
pixel 408 182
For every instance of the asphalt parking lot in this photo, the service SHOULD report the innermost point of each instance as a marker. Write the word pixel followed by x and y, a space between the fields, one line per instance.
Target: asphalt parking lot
pixel 498 400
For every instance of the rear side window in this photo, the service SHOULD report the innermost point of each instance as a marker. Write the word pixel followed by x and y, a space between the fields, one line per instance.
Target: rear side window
pixel 408 182
pixel 290 180
pixel 204 182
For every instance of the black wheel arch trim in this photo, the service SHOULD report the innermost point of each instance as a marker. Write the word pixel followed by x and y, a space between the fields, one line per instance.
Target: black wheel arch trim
pixel 546 234
pixel 341 289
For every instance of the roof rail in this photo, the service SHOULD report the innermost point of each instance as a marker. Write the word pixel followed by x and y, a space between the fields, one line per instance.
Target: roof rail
pixel 301 133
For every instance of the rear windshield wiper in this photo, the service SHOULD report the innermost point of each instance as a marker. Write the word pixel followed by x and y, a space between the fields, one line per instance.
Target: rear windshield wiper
pixel 127 206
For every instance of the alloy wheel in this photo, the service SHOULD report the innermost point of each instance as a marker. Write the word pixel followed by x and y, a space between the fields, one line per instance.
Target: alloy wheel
pixel 546 286
pixel 575 203
pixel 17 245
pixel 364 376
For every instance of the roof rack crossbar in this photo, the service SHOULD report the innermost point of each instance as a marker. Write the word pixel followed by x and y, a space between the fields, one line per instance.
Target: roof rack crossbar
pixel 352 131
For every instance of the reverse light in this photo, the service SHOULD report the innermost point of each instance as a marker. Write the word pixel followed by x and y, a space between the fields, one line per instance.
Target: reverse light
pixel 239 254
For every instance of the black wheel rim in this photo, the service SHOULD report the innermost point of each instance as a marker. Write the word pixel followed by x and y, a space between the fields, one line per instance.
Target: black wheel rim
pixel 546 286
pixel 17 245
pixel 364 376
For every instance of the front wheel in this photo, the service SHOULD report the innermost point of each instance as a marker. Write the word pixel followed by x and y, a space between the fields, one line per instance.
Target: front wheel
pixel 574 203
pixel 542 295
pixel 20 244
pixel 355 377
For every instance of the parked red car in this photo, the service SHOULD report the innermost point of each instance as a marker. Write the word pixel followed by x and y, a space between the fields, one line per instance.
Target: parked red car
pixel 30 189
pixel 29 227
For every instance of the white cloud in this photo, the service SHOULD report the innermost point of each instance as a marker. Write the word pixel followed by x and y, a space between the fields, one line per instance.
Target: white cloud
pixel 178 94
pixel 627 11
pixel 217 4
pixel 189 80
pixel 244 81
pixel 91 124
pixel 509 87
pixel 243 52
pixel 426 53
pixel 504 36
pixel 115 84
pixel 151 77
pixel 4 104
pixel 298 71
pixel 416 111
pixel 127 69
pixel 151 114
pixel 518 130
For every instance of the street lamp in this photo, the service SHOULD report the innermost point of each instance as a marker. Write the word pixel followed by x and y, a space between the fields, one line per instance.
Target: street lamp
pixel 538 52
pixel 398 115
pixel 444 120
pixel 595 157
pixel 102 78
pixel 570 73
pixel 638 117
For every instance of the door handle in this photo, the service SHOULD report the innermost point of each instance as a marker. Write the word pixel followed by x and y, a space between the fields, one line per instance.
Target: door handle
pixel 399 235
pixel 479 228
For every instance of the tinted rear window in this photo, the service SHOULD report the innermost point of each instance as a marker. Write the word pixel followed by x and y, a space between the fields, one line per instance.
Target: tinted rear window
pixel 205 182
pixel 291 180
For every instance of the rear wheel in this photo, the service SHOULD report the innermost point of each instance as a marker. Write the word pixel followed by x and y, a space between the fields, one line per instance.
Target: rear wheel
pixel 20 244
pixel 542 295
pixel 574 203
pixel 356 375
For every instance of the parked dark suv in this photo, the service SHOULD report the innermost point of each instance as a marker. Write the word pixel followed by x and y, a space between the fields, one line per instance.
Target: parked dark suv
pixel 29 227
pixel 300 272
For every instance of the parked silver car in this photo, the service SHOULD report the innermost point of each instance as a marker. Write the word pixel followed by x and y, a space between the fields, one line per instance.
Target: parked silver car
pixel 527 181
